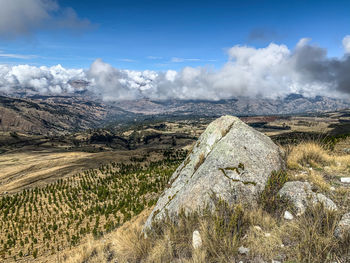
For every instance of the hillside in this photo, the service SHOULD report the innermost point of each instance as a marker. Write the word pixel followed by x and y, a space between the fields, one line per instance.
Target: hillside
pixel 301 214
pixel 53 114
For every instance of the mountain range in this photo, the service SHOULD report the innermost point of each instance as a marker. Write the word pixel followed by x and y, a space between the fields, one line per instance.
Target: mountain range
pixel 57 114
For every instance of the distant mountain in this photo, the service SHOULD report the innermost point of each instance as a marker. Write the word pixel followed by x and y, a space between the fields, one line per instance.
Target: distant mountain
pixel 78 111
pixel 53 114
pixel 242 106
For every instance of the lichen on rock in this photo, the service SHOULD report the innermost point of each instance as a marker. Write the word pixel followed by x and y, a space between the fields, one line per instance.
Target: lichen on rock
pixel 230 160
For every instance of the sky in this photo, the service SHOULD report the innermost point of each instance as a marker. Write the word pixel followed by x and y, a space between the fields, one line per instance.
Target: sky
pixel 167 47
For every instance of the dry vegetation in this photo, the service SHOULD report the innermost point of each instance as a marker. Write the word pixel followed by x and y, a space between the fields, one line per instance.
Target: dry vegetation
pixel 307 238
pixel 97 214
pixel 46 220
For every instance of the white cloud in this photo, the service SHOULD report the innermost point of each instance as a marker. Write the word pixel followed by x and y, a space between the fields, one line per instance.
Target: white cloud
pixel 303 42
pixel 38 80
pixel 180 60
pixel 270 72
pixel 346 44
pixel 23 17
pixel 16 56
pixel 127 60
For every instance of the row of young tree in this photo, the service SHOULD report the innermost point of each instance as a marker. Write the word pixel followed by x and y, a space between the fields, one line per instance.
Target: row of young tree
pixel 48 219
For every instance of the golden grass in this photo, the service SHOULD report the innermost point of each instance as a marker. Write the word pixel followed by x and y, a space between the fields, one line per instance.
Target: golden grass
pixel 308 154
pixel 38 168
pixel 309 161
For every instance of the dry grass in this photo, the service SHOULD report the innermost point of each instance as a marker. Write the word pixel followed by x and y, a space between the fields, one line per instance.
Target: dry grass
pixel 311 238
pixel 314 155
pixel 308 154
pixel 30 169
pixel 308 238
pixel 312 162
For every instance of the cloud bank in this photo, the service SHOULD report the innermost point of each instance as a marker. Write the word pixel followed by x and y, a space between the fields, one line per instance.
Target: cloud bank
pixel 24 17
pixel 270 72
pixel 32 80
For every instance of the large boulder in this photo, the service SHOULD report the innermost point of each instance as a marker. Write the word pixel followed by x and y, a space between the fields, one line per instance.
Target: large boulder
pixel 230 160
pixel 300 194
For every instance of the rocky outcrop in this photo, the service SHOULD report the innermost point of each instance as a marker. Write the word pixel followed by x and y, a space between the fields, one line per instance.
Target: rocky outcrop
pixel 343 228
pixel 230 160
pixel 301 196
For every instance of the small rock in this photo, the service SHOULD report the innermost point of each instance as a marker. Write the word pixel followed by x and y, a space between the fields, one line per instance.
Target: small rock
pixel 243 250
pixel 328 203
pixel 332 188
pixel 346 150
pixel 345 180
pixel 343 227
pixel 288 215
pixel 301 196
pixel 196 239
pixel 258 228
pixel 267 234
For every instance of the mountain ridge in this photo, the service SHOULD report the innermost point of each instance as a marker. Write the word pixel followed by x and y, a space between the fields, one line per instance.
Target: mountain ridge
pixel 47 114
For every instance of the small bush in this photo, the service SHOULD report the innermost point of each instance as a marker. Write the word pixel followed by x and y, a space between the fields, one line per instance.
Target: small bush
pixel 269 199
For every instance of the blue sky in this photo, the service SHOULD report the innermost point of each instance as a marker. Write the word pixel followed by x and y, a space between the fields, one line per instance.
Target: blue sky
pixel 162 35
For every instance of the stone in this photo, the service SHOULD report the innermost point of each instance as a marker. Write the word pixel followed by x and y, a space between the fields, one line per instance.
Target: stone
pixel 230 160
pixel 243 250
pixel 258 228
pixel 346 150
pixel 288 215
pixel 301 196
pixel 196 239
pixel 343 227
pixel 345 180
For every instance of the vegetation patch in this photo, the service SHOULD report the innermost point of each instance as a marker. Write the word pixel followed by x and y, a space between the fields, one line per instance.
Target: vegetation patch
pixel 46 220
pixel 269 199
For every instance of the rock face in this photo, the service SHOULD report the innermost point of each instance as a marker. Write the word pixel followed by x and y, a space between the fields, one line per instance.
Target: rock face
pixel 230 160
pixel 343 227
pixel 301 195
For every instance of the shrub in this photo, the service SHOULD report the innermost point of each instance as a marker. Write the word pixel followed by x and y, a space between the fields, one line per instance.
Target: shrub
pixel 269 199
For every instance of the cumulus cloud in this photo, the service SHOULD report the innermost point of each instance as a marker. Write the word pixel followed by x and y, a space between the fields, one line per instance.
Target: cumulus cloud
pixel 33 80
pixel 23 17
pixel 270 72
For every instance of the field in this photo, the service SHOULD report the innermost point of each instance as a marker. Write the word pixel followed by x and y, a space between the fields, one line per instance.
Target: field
pixel 45 220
